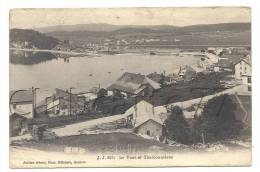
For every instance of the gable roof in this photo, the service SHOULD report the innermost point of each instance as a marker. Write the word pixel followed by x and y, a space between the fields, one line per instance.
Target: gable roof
pixel 146 111
pixel 132 83
pixel 246 60
pixel 154 84
pixel 224 63
pixel 155 76
pixel 59 93
pixel 25 96
pixel 160 123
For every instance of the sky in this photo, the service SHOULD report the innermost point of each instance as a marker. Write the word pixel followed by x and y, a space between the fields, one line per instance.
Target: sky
pixel 35 18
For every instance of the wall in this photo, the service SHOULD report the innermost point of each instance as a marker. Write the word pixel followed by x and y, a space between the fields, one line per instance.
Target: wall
pixel 62 107
pixel 22 109
pixel 242 68
pixel 140 110
pixel 152 126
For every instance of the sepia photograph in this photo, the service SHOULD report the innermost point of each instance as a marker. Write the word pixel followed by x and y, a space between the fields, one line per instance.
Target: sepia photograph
pixel 130 87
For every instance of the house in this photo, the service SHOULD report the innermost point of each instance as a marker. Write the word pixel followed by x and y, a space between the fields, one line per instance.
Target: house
pixel 21 102
pixel 157 77
pixel 146 119
pixel 212 50
pixel 160 78
pixel 223 65
pixel 243 70
pixel 65 103
pixel 239 50
pixel 173 78
pixel 131 84
pixel 212 58
pixel 18 124
pixel 89 96
pixel 150 128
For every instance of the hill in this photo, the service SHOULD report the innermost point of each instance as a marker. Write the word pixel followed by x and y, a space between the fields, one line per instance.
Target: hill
pixel 103 27
pixel 210 34
pixel 24 38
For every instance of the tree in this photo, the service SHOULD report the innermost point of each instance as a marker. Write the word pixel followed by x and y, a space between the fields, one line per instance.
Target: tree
pixel 102 93
pixel 162 80
pixel 218 120
pixel 177 128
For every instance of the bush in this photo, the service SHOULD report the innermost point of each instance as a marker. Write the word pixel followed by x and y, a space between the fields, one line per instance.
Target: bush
pixel 177 128
pixel 218 120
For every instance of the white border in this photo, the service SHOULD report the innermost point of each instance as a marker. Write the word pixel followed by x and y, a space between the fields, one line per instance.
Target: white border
pixel 6 5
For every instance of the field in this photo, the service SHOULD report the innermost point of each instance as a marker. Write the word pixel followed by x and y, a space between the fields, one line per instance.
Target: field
pixel 128 143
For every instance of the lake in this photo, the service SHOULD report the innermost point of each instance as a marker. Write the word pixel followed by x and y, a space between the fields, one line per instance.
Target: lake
pixel 83 73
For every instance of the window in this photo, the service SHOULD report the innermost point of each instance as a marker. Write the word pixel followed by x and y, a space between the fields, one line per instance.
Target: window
pixel 148 132
pixel 249 88
pixel 249 80
pixel 130 117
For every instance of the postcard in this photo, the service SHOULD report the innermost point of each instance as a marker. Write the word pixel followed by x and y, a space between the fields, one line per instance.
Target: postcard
pixel 130 87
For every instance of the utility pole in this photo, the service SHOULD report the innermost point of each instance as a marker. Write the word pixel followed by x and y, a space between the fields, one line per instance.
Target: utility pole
pixel 34 101
pixel 203 138
pixel 70 98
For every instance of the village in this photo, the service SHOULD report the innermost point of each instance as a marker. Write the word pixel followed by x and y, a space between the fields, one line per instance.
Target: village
pixel 136 103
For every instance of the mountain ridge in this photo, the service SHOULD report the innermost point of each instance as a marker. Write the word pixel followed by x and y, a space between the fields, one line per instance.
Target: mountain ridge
pixel 112 27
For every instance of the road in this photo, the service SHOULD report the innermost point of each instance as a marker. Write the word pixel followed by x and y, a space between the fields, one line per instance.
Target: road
pixel 76 128
pixel 188 103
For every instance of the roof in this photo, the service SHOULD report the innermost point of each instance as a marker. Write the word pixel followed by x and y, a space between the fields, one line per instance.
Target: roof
pixel 147 121
pixel 224 63
pixel 132 83
pixel 61 94
pixel 15 116
pixel 154 84
pixel 155 76
pixel 246 60
pixel 23 96
pixel 94 90
pixel 145 111
pixel 158 77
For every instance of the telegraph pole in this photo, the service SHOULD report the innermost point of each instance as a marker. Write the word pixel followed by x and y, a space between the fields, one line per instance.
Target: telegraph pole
pixel 70 98
pixel 34 101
